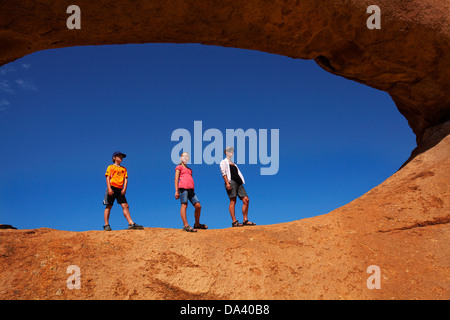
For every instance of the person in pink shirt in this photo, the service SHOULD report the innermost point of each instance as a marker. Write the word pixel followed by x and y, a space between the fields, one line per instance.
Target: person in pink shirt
pixel 184 190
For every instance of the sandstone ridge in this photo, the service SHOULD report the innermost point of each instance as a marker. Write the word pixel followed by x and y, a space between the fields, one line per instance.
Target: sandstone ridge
pixel 402 226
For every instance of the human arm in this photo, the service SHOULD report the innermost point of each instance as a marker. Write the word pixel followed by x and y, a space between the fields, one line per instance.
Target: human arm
pixel 125 184
pixel 227 184
pixel 177 177
pixel 224 170
pixel 108 185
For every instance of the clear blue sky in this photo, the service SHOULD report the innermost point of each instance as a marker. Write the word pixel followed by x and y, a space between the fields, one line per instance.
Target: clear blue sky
pixel 64 112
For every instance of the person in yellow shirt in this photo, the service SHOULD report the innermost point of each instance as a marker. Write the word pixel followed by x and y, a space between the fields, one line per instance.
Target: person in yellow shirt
pixel 116 187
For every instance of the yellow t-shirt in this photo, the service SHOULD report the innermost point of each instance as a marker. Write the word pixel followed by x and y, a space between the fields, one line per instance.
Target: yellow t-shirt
pixel 117 174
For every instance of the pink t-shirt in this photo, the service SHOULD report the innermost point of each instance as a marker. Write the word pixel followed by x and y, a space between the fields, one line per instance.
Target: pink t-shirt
pixel 185 181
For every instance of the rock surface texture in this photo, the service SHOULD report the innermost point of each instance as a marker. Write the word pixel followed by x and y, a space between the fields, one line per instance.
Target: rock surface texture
pixel 401 226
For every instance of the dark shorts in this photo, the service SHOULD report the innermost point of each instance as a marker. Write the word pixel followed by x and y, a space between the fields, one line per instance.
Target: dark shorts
pixel 187 194
pixel 109 200
pixel 236 190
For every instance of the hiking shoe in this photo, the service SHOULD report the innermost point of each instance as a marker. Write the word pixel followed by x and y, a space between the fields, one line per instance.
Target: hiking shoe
pixel 135 226
pixel 107 227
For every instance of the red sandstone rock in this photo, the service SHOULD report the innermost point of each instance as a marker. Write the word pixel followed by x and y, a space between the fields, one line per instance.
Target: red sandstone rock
pixel 409 57
pixel 402 226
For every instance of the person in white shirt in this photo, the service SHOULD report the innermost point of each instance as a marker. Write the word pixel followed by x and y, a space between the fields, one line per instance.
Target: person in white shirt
pixel 234 185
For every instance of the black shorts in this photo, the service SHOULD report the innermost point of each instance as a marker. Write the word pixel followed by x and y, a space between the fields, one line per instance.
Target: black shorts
pixel 109 200
pixel 236 190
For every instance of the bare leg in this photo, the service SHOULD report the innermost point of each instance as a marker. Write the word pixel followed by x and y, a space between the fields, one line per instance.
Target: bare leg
pixel 198 209
pixel 126 212
pixel 183 214
pixel 231 208
pixel 107 213
pixel 245 203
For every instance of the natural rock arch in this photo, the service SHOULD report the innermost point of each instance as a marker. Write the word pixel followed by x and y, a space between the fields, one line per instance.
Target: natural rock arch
pixel 408 57
pixel 401 225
